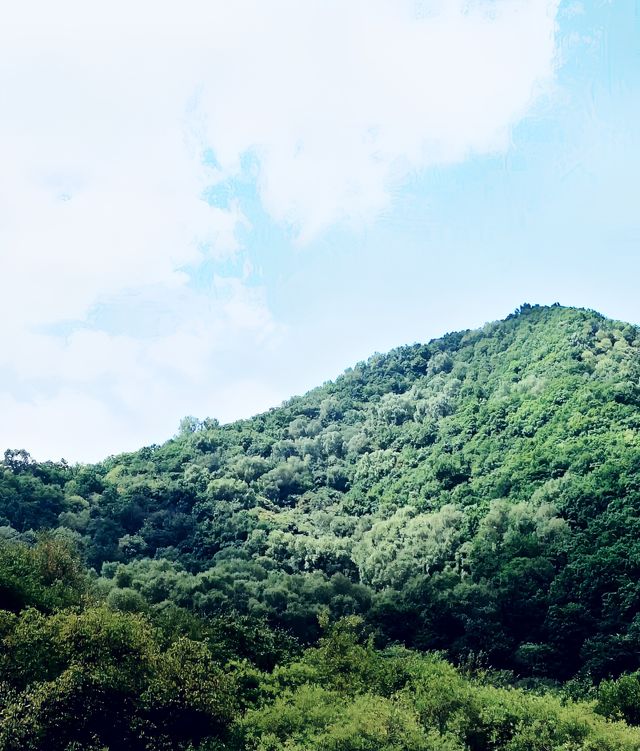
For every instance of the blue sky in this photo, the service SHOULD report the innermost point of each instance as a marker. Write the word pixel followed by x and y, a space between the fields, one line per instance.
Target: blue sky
pixel 207 209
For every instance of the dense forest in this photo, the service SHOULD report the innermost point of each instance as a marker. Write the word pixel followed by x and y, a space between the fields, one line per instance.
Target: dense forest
pixel 439 550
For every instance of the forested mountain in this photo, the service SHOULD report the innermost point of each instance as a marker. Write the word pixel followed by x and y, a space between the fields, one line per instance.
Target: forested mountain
pixel 476 495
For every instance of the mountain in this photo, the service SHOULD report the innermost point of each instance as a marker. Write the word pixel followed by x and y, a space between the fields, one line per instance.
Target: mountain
pixel 476 495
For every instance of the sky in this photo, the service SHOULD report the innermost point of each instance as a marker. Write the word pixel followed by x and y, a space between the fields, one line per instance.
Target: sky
pixel 207 207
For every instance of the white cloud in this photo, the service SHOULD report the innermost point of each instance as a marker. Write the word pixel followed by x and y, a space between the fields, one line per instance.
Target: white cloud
pixel 338 100
pixel 93 393
pixel 72 421
pixel 342 100
pixel 106 110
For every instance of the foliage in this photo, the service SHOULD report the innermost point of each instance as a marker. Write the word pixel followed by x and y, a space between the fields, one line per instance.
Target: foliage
pixel 101 679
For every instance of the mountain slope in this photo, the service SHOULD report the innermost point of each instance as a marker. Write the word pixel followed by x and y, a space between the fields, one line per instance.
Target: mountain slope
pixel 477 494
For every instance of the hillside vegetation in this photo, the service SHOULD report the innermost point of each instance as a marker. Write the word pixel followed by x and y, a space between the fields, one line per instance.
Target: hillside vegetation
pixel 283 581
